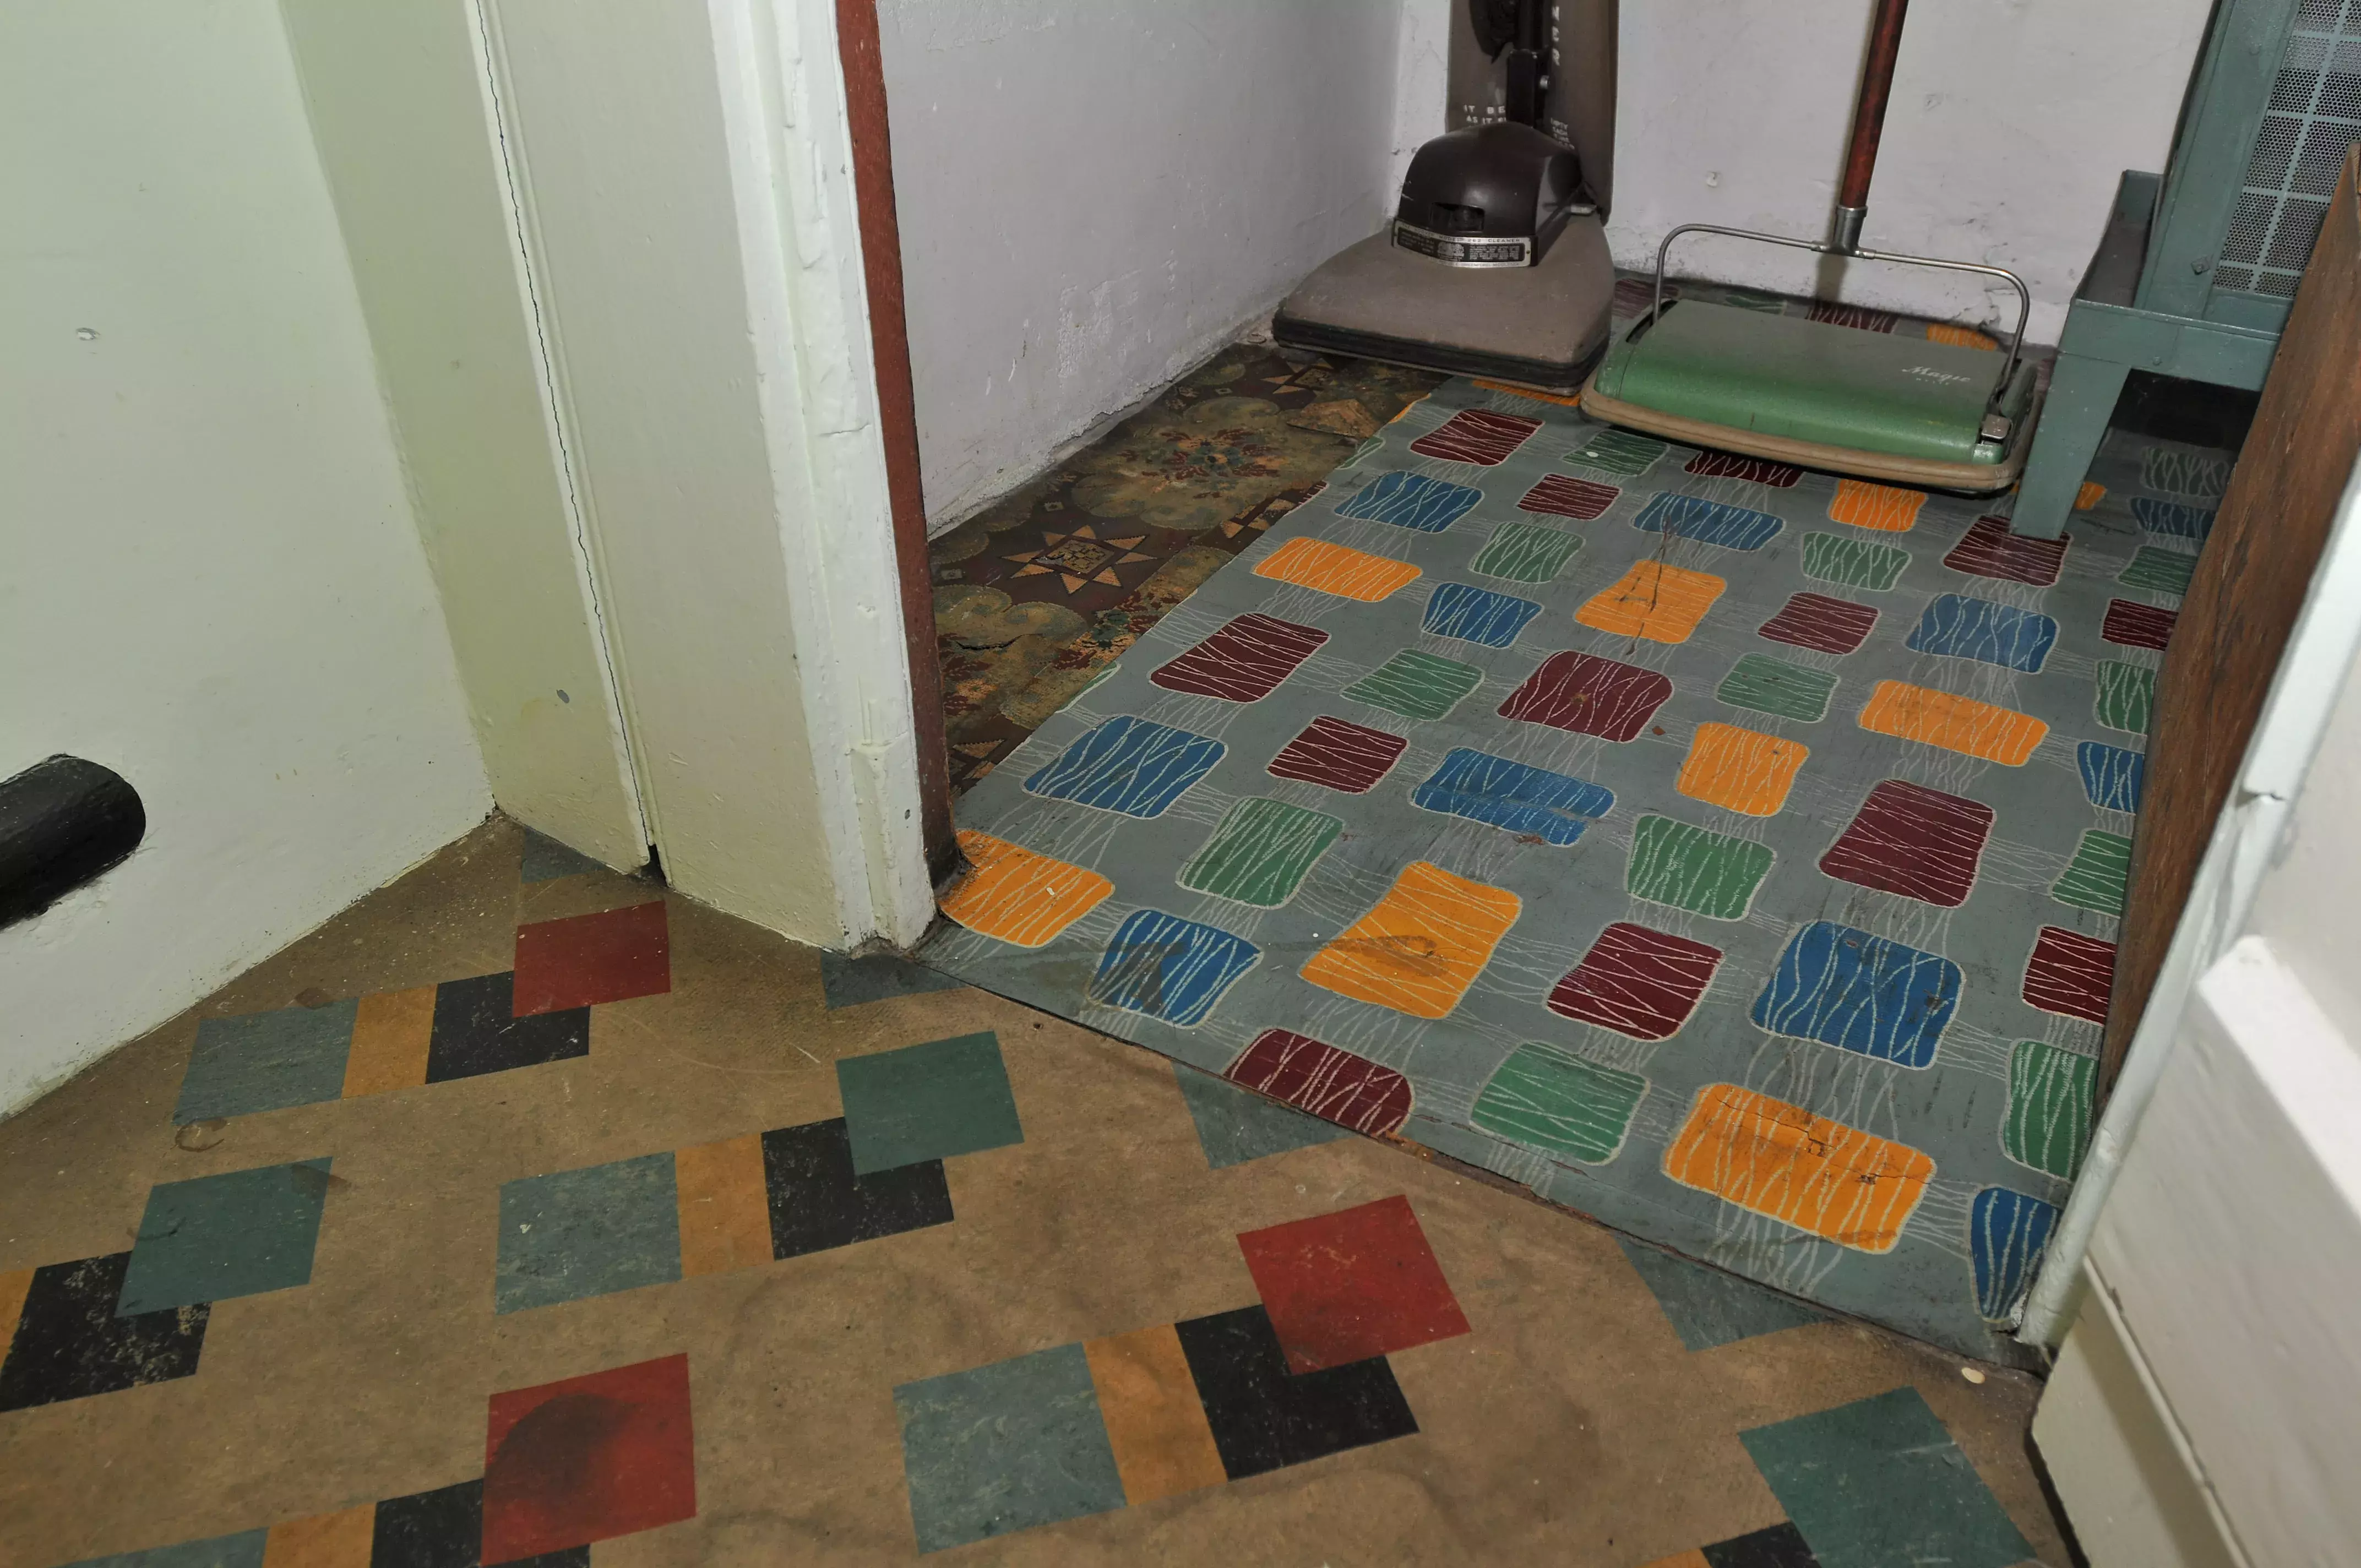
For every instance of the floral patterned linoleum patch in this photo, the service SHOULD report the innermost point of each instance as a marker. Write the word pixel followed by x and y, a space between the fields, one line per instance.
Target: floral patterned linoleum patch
pixel 1039 595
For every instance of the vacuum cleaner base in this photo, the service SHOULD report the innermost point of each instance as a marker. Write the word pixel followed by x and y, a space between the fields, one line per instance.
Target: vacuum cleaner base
pixel 1540 326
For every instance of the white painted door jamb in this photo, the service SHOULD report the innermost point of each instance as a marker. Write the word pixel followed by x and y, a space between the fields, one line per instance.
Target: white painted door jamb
pixel 791 170
pixel 2246 839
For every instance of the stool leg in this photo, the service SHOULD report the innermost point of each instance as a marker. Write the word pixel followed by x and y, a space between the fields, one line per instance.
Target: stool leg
pixel 2082 394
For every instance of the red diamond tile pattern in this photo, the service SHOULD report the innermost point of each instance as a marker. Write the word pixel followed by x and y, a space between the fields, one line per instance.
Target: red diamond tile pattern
pixel 1346 1287
pixel 612 956
pixel 587 1459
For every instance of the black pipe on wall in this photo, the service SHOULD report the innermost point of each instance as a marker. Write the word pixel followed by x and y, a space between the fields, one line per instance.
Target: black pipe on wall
pixel 65 823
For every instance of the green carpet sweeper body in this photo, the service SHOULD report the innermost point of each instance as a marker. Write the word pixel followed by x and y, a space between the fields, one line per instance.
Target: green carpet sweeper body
pixel 1898 408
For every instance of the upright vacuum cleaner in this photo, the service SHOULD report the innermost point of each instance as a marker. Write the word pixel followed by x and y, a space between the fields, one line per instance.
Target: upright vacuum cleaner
pixel 1495 263
pixel 1885 406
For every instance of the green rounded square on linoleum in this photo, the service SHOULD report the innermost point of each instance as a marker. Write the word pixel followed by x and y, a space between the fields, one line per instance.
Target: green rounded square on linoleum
pixel 238 1233
pixel 2127 696
pixel 1526 552
pixel 1547 1098
pixel 590 1232
pixel 266 1061
pixel 1416 685
pixel 1880 1482
pixel 928 1101
pixel 1005 1447
pixel 1261 852
pixel 2098 875
pixel 1855 563
pixel 1779 687
pixel 1694 868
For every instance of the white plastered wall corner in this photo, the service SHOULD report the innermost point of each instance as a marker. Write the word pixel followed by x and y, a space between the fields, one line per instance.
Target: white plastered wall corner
pixel 1094 197
pixel 214 582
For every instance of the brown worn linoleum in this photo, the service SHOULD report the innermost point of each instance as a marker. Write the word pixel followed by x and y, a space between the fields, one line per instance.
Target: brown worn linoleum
pixel 1567 1426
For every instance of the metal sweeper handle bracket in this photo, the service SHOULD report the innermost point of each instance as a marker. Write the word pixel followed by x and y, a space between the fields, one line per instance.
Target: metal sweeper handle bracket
pixel 1853 202
pixel 2023 295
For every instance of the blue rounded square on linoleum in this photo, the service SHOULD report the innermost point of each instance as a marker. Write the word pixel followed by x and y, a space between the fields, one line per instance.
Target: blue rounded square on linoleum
pixel 1707 522
pixel 1170 967
pixel 1417 501
pixel 1129 766
pixel 1504 792
pixel 1963 628
pixel 1477 615
pixel 590 1232
pixel 1858 993
pixel 238 1233
pixel 2112 776
pixel 2007 1233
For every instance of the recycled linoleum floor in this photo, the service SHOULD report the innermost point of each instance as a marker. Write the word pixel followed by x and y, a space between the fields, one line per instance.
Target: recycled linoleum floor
pixel 1730 853
pixel 528 1213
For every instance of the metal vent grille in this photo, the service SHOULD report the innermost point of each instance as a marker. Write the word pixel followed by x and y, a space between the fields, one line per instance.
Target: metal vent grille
pixel 2315 114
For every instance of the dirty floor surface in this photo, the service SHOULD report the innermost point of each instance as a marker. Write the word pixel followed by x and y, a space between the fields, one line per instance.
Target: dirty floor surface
pixel 1038 594
pixel 525 1214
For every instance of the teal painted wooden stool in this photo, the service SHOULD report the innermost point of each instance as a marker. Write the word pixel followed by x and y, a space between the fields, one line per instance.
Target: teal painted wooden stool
pixel 2196 270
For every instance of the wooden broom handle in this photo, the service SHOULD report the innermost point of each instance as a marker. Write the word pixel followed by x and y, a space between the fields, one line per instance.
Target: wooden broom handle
pixel 1869 108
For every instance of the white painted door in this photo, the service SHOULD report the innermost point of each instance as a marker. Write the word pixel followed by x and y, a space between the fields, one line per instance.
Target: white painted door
pixel 2206 1405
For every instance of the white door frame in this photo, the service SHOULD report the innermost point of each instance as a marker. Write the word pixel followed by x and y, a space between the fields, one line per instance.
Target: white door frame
pixel 781 650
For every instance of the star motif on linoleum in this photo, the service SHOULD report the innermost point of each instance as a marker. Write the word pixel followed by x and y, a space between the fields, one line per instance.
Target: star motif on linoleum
pixel 1079 558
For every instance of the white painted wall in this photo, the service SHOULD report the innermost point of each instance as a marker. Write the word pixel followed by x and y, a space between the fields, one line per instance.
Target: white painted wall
pixel 1422 86
pixel 1093 197
pixel 212 583
pixel 398 105
pixel 2010 122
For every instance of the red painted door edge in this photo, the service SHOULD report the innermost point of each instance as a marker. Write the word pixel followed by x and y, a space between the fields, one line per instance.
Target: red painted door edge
pixel 889 338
